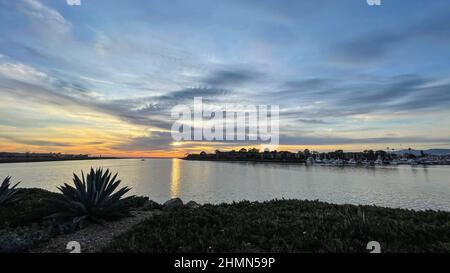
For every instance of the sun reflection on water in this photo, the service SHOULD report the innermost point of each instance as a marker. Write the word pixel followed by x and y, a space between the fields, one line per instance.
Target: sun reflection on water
pixel 175 180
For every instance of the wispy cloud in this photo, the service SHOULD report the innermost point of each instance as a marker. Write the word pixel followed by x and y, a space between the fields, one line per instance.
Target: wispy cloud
pixel 22 72
pixel 375 46
pixel 44 17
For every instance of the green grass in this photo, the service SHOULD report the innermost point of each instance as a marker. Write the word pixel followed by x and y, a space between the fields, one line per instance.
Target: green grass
pixel 287 226
pixel 31 208
pixel 275 226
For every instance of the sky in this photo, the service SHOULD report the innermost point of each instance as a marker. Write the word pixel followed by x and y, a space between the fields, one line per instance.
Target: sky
pixel 101 77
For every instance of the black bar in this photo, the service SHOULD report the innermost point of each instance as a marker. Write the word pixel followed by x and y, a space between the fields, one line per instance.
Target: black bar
pixel 128 263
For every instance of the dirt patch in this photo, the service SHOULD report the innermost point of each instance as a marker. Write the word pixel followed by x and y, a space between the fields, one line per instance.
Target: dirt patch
pixel 94 237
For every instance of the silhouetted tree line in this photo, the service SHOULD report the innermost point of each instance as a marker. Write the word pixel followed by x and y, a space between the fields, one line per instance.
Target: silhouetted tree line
pixel 255 154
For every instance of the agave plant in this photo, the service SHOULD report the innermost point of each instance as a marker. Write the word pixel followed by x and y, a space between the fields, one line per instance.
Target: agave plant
pixel 8 194
pixel 93 197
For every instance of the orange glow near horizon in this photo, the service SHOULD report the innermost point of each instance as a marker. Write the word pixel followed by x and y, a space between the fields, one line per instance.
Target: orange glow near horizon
pixel 178 151
pixel 80 130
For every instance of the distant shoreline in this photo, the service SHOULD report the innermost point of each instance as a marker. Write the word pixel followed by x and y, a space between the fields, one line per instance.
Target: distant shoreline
pixel 292 162
pixel 31 160
pixel 246 160
pixel 336 158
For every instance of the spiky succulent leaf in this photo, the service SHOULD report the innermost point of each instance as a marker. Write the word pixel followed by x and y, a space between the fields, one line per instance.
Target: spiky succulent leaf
pixel 94 196
pixel 8 194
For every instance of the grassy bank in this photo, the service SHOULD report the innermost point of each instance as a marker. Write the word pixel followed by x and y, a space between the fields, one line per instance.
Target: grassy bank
pixel 275 226
pixel 288 226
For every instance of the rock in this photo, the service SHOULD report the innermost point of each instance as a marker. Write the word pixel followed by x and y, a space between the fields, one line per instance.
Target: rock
pixel 173 203
pixel 192 205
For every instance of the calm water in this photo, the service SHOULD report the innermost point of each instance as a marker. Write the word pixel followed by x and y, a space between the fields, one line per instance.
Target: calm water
pixel 214 182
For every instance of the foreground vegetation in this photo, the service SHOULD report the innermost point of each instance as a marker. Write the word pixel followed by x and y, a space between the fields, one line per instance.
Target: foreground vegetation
pixel 31 208
pixel 92 197
pixel 8 193
pixel 26 223
pixel 31 217
pixel 287 226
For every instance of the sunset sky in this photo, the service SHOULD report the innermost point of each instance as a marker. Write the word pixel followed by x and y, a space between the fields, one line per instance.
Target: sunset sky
pixel 102 77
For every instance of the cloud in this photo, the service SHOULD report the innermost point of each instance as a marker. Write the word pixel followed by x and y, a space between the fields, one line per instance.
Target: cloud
pixel 307 89
pixel 402 93
pixel 163 141
pixel 373 47
pixel 332 140
pixel 48 19
pixel 34 142
pixel 190 93
pixel 368 49
pixel 102 41
pixel 308 84
pixel 155 141
pixel 313 121
pixel 22 72
pixel 56 93
pixel 426 98
pixel 399 93
pixel 27 74
pixel 232 77
pixel 24 81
